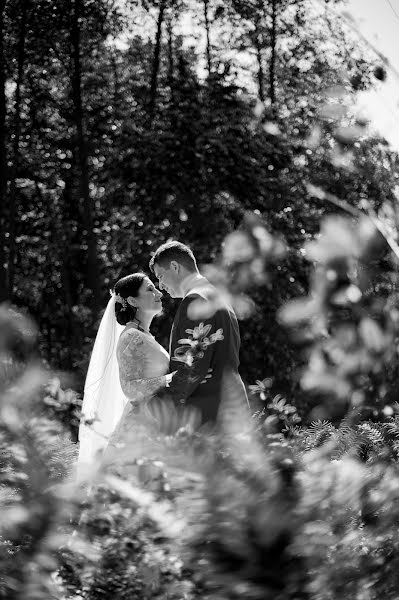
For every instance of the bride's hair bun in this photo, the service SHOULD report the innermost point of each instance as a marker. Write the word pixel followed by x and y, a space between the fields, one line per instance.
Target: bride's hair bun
pixel 125 287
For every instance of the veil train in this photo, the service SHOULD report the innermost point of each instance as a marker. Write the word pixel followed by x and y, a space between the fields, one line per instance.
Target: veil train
pixel 103 399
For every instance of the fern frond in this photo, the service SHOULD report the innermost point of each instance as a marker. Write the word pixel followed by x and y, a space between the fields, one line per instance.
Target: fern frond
pixel 372 433
pixel 319 432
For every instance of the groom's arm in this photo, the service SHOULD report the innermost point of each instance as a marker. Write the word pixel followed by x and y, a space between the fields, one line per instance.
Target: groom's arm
pixel 191 361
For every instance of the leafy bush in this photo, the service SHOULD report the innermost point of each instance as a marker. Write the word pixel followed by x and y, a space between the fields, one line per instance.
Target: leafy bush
pixel 267 507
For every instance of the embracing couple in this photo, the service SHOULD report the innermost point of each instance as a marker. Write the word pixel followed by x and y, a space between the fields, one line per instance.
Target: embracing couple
pixel 130 373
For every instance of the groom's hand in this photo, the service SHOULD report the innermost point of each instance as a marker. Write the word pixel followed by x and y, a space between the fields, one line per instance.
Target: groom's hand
pixel 207 376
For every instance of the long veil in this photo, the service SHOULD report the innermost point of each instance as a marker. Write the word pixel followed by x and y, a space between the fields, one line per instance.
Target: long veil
pixel 103 399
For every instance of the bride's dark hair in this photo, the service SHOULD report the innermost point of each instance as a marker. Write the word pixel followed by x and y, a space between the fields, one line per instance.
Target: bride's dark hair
pixel 125 287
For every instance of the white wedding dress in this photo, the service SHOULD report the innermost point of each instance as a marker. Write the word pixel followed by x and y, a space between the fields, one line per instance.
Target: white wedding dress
pixel 143 365
pixel 126 365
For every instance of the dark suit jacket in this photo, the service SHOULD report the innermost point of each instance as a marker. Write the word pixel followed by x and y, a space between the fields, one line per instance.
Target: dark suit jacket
pixel 205 353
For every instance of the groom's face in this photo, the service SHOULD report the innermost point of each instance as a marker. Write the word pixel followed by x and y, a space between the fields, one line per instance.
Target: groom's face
pixel 168 279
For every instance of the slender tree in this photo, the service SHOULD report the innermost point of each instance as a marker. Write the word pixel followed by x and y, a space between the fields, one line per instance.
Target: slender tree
pixel 16 142
pixel 171 58
pixel 93 279
pixel 208 38
pixel 156 60
pixel 273 43
pixel 259 58
pixel 3 158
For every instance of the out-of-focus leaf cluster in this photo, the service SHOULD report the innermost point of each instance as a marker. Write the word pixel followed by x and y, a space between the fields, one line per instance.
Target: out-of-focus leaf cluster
pixel 349 319
pixel 310 515
pixel 32 463
pixel 246 256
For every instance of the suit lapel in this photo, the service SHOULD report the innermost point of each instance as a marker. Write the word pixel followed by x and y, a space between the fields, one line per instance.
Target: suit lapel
pixel 172 331
pixel 201 283
pixel 171 338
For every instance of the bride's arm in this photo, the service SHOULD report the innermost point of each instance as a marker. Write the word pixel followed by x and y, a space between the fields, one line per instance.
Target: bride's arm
pixel 131 370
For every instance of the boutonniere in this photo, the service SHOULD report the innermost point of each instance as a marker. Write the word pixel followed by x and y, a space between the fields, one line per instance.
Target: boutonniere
pixel 193 347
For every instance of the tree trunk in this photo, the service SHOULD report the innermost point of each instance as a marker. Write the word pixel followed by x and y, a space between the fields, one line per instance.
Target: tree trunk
pixel 92 273
pixel 208 41
pixel 171 62
pixel 272 67
pixel 260 74
pixel 115 79
pixel 156 61
pixel 15 150
pixel 258 47
pixel 3 160
pixel 62 230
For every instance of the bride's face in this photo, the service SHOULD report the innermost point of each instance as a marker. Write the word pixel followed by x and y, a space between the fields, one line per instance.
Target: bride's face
pixel 149 298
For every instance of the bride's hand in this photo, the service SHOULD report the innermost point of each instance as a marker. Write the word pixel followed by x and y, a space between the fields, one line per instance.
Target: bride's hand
pixel 135 406
pixel 169 378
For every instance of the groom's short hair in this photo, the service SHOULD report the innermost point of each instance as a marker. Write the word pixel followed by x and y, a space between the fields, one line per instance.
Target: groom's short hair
pixel 174 251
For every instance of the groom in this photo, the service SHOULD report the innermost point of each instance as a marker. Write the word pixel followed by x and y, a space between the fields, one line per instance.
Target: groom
pixel 204 341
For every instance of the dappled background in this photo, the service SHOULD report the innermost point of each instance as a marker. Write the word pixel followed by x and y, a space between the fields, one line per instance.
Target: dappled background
pixel 235 127
pixel 129 123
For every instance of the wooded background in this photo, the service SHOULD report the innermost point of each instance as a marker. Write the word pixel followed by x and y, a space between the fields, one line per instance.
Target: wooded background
pixel 124 124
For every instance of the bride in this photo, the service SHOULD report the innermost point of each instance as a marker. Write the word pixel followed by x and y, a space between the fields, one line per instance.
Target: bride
pixel 127 367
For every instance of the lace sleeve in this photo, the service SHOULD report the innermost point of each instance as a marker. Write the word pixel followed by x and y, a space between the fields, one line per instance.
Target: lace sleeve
pixel 131 358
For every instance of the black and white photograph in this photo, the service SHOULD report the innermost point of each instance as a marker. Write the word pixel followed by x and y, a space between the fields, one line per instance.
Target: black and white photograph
pixel 199 299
